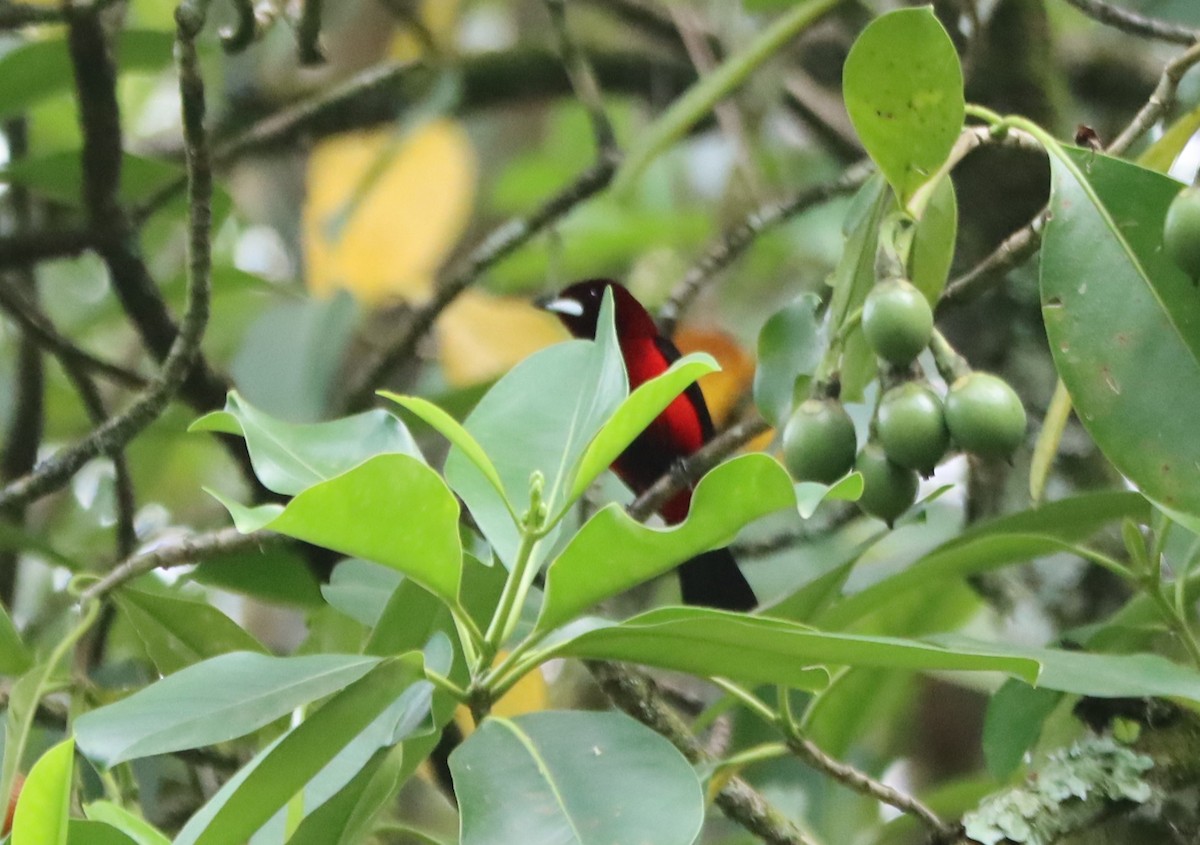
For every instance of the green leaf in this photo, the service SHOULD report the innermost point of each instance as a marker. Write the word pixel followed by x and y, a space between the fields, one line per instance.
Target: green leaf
pixel 45 803
pixel 291 457
pixel 37 70
pixel 575 778
pixel 933 242
pixel 214 701
pixel 633 416
pixel 86 832
pixel 361 589
pixel 1012 539
pixel 1162 153
pixel 903 88
pixel 1098 675
pixel 392 509
pixel 1122 321
pixel 411 616
pixel 540 417
pixel 614 552
pixel 853 279
pixel 1015 715
pixel 14 657
pixel 178 632
pixel 810 494
pixel 757 649
pixel 276 574
pixel 303 753
pixel 345 819
pixel 452 430
pixel 1045 449
pixel 790 345
pixel 713 87
pixel 57 177
pixel 140 831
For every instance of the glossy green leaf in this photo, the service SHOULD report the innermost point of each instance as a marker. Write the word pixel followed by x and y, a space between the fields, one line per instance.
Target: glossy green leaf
pixel 1015 715
pixel 790 345
pixel 411 616
pixel 361 589
pixel 903 88
pixel 1008 540
pixel 135 827
pixel 178 632
pixel 291 457
pixel 214 701
pixel 933 242
pixel 631 418
pixel 1124 323
pixel 614 552
pixel 452 430
pixel 14 657
pixel 540 417
pixel 575 778
pixel 713 87
pixel 1098 675
pixel 40 69
pixel 853 279
pixel 392 509
pixel 302 754
pixel 757 649
pixel 45 803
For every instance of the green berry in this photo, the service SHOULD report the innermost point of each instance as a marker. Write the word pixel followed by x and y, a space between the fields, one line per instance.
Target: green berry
pixel 1181 232
pixel 985 415
pixel 897 321
pixel 819 441
pixel 912 427
pixel 888 488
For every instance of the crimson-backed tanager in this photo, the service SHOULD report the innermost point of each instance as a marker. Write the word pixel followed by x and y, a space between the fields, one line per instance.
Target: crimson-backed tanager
pixel 712 578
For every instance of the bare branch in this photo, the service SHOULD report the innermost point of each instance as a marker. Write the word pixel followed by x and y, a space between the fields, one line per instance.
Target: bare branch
pixel 33 246
pixel 308 33
pixel 1135 24
pixel 583 81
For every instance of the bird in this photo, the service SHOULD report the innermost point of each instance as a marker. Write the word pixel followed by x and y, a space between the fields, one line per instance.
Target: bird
pixel 711 579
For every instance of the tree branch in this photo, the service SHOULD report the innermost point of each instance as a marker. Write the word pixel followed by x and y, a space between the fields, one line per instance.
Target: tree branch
pixel 1135 24
pixel 150 403
pixel 32 246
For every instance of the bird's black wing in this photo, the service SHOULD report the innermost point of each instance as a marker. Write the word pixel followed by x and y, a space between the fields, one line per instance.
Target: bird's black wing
pixel 693 392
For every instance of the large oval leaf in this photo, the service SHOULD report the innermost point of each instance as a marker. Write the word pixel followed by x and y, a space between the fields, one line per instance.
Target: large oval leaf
pixel 614 552
pixel 903 88
pixel 214 701
pixel 391 509
pixel 1124 323
pixel 574 778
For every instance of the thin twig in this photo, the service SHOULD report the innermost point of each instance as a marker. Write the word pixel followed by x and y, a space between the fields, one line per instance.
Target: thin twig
pixel 583 81
pixel 500 243
pixel 308 33
pixel 150 403
pixel 734 242
pixel 637 695
pixel 863 783
pixel 1160 100
pixel 688 472
pixel 189 550
pixel 38 327
pixel 1136 24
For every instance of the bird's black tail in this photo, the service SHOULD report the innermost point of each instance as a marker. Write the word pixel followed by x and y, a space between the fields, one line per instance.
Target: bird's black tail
pixel 712 579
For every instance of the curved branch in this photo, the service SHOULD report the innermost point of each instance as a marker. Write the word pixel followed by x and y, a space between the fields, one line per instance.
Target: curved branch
pixel 1135 24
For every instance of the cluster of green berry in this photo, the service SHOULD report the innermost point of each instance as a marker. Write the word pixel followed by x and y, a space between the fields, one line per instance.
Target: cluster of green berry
pixel 913 426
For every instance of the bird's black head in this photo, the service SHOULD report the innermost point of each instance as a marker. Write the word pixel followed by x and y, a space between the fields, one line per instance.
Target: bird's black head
pixel 578 307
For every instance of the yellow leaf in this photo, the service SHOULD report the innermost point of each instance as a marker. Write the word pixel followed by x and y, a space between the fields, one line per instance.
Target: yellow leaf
pixel 439 17
pixel 383 211
pixel 482 336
